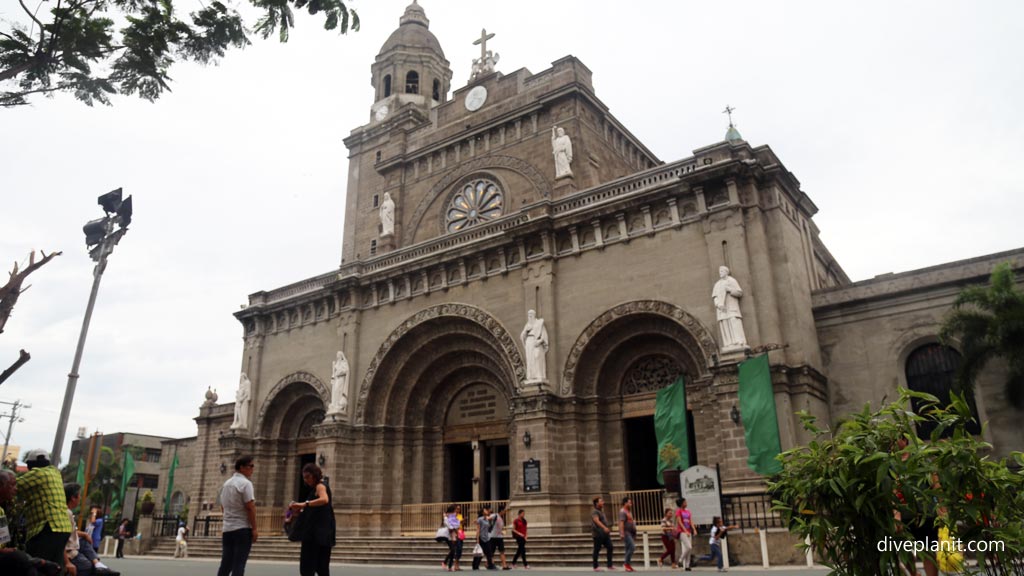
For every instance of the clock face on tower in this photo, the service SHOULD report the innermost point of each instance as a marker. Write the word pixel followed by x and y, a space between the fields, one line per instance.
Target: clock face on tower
pixel 381 113
pixel 476 98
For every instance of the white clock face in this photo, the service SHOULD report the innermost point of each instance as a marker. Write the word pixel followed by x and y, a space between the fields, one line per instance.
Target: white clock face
pixel 381 113
pixel 476 98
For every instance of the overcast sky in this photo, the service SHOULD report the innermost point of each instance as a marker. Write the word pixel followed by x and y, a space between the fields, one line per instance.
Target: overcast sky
pixel 902 120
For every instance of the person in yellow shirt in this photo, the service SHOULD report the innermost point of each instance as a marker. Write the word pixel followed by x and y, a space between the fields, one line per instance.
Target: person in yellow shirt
pixel 41 491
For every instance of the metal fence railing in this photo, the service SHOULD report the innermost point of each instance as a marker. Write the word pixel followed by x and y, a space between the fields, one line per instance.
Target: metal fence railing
pixel 425 519
pixel 648 507
pixel 165 526
pixel 750 510
pixel 207 525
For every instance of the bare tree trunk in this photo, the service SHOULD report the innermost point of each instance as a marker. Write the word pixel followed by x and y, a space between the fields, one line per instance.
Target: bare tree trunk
pixel 22 358
pixel 9 292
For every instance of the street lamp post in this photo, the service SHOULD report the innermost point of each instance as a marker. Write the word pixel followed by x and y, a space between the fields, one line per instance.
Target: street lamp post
pixel 101 236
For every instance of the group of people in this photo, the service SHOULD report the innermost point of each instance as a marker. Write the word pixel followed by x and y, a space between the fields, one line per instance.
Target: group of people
pixel 53 542
pixel 490 537
pixel 315 515
pixel 676 526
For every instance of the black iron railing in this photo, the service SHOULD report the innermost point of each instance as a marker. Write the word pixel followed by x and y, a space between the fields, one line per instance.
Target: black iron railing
pixel 207 526
pixel 165 526
pixel 750 510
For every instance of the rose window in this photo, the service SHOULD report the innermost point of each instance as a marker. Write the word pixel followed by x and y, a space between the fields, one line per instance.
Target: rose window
pixel 477 202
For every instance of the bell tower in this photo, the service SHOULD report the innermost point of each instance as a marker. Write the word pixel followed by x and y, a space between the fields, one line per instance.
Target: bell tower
pixel 410 67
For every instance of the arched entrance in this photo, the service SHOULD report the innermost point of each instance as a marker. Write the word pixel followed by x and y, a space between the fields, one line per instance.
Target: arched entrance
pixel 293 407
pixel 621 360
pixel 439 390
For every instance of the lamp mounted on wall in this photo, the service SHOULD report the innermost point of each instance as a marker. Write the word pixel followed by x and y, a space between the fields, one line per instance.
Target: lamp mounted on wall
pixel 321 460
pixel 734 415
pixel 527 439
pixel 223 467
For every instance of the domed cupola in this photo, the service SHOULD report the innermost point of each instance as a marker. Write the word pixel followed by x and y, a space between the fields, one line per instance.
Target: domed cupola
pixel 410 67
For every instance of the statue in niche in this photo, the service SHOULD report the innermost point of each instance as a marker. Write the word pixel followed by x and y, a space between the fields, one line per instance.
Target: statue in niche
pixel 535 343
pixel 561 147
pixel 242 400
pixel 387 216
pixel 726 294
pixel 339 385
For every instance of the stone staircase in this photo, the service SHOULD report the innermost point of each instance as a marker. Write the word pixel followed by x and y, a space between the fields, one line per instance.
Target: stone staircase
pixel 569 550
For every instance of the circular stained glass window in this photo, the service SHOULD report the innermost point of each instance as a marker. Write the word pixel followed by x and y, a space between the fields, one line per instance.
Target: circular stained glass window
pixel 478 201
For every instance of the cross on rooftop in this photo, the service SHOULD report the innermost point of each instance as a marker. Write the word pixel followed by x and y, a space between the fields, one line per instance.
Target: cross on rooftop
pixel 729 110
pixel 482 41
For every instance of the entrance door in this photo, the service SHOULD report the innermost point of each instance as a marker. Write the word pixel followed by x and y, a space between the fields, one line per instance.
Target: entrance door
pixel 496 470
pixel 460 472
pixel 641 453
pixel 300 486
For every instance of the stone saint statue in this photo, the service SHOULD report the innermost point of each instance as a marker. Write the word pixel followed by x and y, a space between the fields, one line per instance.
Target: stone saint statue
pixel 726 295
pixel 387 216
pixel 339 385
pixel 535 343
pixel 561 147
pixel 242 400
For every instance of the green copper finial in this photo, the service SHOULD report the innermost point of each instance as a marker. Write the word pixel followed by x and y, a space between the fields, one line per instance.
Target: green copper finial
pixel 732 135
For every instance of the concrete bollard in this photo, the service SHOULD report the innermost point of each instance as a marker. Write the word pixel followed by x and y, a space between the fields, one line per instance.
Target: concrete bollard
pixel 725 553
pixel 647 551
pixel 764 546
pixel 810 553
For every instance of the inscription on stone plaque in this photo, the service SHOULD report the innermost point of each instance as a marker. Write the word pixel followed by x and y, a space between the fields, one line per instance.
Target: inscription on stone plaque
pixel 477 404
pixel 531 475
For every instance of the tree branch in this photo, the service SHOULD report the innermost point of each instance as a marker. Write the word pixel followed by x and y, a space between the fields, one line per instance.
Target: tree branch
pixel 9 292
pixel 34 19
pixel 22 358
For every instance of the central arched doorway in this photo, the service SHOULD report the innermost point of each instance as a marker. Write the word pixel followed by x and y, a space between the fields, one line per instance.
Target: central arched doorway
pixel 440 395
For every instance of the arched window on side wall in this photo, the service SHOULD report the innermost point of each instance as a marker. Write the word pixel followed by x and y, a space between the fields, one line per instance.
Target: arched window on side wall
pixel 387 85
pixel 932 368
pixel 412 82
pixel 436 93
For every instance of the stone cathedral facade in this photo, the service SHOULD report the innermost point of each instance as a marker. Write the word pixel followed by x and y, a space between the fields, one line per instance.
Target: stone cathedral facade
pixel 404 370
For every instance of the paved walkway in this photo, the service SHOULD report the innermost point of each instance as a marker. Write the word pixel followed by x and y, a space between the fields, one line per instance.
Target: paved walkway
pixel 153 566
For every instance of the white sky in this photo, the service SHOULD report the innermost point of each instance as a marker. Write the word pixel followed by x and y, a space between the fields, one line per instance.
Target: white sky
pixel 902 120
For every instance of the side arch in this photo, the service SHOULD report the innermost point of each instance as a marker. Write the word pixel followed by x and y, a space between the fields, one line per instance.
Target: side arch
pixel 300 377
pixel 697 339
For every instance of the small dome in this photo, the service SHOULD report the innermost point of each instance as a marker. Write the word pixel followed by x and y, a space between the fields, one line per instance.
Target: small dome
pixel 413 32
pixel 733 135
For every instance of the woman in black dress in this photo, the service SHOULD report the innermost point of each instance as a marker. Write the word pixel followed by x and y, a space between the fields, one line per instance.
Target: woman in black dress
pixel 315 556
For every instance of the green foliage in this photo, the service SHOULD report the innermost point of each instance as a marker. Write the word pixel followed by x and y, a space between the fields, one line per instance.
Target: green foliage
pixel 842 489
pixel 147 497
pixel 81 50
pixel 988 323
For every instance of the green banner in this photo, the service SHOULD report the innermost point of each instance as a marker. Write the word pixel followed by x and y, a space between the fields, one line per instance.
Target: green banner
pixel 670 428
pixel 126 473
pixel 757 408
pixel 170 484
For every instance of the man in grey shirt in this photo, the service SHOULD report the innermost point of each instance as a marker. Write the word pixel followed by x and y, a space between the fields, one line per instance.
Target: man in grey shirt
pixel 239 506
pixel 498 536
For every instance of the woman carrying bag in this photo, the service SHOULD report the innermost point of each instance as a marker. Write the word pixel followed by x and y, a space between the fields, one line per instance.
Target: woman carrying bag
pixel 318 533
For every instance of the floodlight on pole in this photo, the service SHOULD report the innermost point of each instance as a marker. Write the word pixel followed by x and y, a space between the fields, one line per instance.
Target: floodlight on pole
pixel 101 235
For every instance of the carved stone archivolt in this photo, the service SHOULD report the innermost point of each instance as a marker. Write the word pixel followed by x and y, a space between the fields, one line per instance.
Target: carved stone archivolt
pixel 305 377
pixel 702 337
pixel 464 170
pixel 650 374
pixel 464 311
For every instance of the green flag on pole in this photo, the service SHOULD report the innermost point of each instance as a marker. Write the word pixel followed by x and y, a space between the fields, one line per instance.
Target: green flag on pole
pixel 670 428
pixel 80 478
pixel 170 484
pixel 760 424
pixel 126 473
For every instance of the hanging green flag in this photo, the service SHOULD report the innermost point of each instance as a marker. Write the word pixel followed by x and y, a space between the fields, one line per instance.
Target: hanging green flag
pixel 126 473
pixel 80 478
pixel 670 428
pixel 760 423
pixel 170 484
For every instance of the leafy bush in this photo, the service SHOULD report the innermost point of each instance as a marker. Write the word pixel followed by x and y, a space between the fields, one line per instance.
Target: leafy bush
pixel 843 488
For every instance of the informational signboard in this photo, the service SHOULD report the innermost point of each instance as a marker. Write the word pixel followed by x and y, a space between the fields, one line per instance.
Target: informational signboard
pixel 477 404
pixel 700 487
pixel 531 475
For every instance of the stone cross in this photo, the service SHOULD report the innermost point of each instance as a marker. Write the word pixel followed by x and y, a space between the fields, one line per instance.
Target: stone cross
pixel 482 41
